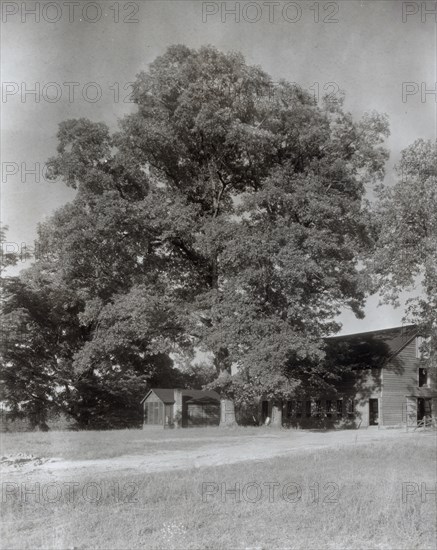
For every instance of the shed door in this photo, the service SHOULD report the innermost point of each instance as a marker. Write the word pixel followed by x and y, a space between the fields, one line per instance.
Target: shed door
pixel 168 414
pixel 155 412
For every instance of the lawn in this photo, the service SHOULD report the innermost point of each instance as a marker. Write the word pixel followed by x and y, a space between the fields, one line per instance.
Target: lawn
pixel 112 443
pixel 353 498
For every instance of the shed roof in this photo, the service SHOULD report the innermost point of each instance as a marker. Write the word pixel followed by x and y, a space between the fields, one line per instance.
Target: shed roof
pixel 165 394
pixel 197 395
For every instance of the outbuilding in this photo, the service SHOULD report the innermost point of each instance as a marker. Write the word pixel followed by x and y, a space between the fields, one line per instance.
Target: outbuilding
pixel 181 408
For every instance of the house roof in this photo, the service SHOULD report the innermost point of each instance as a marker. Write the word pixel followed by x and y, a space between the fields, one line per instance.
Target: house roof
pixel 167 395
pixel 373 347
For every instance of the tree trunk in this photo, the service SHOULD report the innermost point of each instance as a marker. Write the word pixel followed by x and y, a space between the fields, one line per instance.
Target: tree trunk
pixel 227 408
pixel 276 414
pixel 227 413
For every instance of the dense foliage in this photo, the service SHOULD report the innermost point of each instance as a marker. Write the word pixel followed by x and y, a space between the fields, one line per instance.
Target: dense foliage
pixel 406 255
pixel 225 215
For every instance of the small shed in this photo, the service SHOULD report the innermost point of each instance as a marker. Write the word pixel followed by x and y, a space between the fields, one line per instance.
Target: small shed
pixel 181 408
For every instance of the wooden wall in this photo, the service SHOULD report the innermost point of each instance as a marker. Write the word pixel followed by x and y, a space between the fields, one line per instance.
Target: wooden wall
pixel 399 379
pixel 390 385
pixel 353 393
pixel 154 410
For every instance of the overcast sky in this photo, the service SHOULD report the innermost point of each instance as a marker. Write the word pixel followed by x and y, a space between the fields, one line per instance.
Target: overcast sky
pixel 370 49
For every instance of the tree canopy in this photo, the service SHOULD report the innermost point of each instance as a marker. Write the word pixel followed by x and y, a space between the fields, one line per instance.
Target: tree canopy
pixel 226 214
pixel 406 254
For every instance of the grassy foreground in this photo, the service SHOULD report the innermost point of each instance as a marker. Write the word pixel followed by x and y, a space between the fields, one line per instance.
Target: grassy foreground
pixel 351 498
pixel 88 445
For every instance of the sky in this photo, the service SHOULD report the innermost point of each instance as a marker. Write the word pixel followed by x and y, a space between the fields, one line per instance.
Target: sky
pixel 79 58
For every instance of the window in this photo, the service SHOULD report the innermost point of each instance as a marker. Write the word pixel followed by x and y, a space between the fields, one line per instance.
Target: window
pixel 308 408
pixel 350 407
pixel 328 408
pixel 318 407
pixel 290 408
pixel 423 377
pixel 339 408
pixel 422 347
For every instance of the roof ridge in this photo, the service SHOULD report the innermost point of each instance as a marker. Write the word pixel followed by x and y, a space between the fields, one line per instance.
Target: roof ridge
pixel 398 327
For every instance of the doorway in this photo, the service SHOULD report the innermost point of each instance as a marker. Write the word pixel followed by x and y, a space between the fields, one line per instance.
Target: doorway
pixel 264 411
pixel 373 412
pixel 423 408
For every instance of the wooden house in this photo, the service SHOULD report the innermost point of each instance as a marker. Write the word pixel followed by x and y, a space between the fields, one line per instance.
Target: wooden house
pixel 180 408
pixel 388 384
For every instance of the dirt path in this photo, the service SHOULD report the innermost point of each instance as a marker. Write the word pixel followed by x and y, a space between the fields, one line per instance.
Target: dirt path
pixel 212 453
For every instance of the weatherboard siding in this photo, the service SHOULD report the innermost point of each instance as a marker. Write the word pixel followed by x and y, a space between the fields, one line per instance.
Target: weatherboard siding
pixel 153 398
pixel 399 379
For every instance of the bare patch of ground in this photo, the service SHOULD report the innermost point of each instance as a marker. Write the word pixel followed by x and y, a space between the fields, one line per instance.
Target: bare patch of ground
pixel 20 461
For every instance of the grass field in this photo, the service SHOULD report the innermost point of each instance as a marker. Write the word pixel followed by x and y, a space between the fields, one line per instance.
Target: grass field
pixel 109 444
pixel 348 498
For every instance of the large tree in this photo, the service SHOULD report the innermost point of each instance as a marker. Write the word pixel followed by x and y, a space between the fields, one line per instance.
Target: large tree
pixel 406 257
pixel 52 360
pixel 61 311
pixel 234 205
pixel 31 326
pixel 264 208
